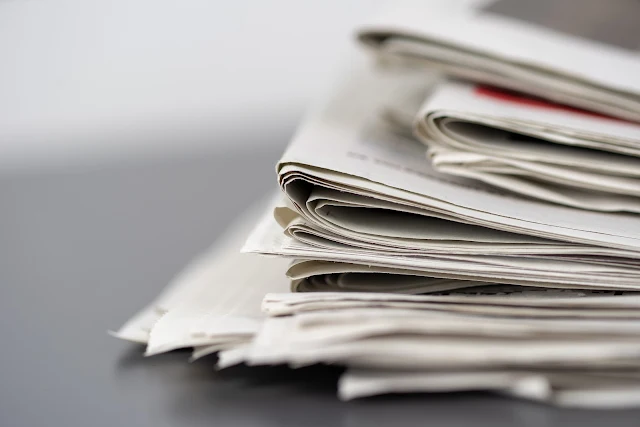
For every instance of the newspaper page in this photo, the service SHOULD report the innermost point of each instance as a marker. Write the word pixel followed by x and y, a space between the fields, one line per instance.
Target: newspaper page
pixel 431 340
pixel 269 239
pixel 215 303
pixel 341 147
pixel 593 389
pixel 533 147
pixel 588 60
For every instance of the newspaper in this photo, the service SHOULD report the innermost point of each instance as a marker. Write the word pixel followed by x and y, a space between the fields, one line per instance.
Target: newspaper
pixel 351 268
pixel 310 261
pixel 520 46
pixel 533 147
pixel 405 338
pixel 138 328
pixel 426 236
pixel 358 190
pixel 224 308
pixel 214 303
pixel 593 389
pixel 344 149
pixel 525 303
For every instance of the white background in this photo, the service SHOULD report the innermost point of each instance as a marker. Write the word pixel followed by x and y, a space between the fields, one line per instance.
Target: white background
pixel 85 80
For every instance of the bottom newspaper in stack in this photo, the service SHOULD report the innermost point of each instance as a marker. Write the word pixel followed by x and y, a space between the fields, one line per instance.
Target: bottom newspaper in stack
pixel 562 346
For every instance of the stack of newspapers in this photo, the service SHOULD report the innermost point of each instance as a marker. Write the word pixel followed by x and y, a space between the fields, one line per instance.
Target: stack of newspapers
pixel 461 213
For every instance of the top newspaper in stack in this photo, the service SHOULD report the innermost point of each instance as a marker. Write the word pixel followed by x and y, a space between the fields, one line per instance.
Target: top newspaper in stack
pixel 540 149
pixel 522 45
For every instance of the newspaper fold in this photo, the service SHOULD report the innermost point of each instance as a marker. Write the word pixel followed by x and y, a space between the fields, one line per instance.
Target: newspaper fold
pixel 478 41
pixel 214 303
pixel 532 147
pixel 347 174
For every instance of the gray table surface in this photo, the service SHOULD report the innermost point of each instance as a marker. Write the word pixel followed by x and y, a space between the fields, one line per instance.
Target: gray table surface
pixel 82 250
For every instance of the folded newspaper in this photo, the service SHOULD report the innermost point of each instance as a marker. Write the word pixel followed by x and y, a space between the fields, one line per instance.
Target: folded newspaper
pixel 507 259
pixel 585 55
pixel 363 201
pixel 533 147
pixel 512 140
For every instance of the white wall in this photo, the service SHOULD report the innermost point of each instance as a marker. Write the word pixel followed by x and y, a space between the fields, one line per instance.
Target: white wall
pixel 84 79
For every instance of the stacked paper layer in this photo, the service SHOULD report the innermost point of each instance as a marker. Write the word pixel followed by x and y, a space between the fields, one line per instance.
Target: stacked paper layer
pixel 503 256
